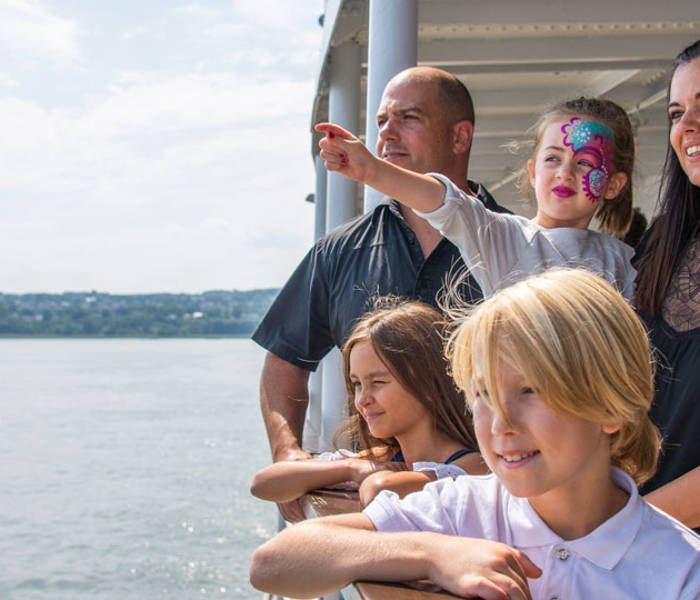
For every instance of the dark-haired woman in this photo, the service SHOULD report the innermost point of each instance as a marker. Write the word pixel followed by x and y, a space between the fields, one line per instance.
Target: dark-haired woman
pixel 668 299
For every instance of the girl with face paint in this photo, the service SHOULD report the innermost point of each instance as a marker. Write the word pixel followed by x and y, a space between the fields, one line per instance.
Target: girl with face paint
pixel 581 168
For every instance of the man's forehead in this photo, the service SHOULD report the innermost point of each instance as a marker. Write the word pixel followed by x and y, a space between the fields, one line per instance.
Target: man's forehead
pixel 406 95
pixel 399 108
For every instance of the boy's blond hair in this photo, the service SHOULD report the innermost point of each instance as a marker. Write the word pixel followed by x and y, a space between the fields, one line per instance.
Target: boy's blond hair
pixel 579 345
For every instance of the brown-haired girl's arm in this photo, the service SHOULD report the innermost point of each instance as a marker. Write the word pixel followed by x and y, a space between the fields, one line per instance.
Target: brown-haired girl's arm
pixel 679 498
pixel 405 482
pixel 401 482
pixel 289 479
pixel 346 154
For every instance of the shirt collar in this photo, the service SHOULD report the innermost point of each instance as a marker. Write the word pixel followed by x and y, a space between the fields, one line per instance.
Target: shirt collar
pixel 604 547
pixel 481 193
pixel 394 207
pixel 610 541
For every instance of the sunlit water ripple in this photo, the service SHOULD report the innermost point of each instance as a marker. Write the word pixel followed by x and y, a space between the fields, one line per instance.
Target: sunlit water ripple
pixel 125 468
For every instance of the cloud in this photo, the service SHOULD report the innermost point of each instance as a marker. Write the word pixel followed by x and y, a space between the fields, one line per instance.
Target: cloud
pixel 276 14
pixel 148 124
pixel 205 175
pixel 199 11
pixel 267 38
pixel 26 27
pixel 8 81
pixel 185 173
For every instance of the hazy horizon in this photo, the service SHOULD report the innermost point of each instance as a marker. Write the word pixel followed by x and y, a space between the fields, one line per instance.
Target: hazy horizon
pixel 155 292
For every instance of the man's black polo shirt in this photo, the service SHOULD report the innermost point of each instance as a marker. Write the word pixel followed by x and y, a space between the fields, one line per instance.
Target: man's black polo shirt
pixel 373 255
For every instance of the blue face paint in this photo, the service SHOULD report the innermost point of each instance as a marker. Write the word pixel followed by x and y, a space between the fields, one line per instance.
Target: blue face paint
pixel 594 143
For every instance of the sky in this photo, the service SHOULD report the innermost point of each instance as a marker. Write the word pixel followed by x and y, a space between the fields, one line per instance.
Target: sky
pixel 158 146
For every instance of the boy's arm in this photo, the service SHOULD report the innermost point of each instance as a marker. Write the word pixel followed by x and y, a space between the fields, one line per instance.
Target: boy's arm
pixel 345 153
pixel 679 498
pixel 345 548
pixel 286 480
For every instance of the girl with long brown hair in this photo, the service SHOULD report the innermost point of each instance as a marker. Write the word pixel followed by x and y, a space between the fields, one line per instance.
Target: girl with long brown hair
pixel 407 421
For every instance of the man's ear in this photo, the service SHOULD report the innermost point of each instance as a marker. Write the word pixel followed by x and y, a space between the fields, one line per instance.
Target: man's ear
pixel 615 185
pixel 462 133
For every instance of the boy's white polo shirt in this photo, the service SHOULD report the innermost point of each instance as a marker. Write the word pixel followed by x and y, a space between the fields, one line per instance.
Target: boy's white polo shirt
pixel 638 553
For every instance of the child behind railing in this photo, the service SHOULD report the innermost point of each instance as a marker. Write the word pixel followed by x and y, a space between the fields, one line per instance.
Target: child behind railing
pixel 406 414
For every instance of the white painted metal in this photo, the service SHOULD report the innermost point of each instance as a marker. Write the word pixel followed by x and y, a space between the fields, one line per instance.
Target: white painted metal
pixel 333 398
pixel 313 421
pixel 517 57
pixel 312 438
pixel 392 46
pixel 320 199
pixel 343 109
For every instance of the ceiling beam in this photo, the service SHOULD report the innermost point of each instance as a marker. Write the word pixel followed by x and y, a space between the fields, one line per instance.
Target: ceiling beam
pixel 545 11
pixel 501 55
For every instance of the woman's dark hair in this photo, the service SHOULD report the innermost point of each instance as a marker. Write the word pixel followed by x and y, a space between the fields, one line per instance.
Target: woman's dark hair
pixel 408 337
pixel 675 225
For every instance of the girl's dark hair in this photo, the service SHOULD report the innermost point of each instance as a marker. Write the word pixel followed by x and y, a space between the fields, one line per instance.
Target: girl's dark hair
pixel 614 214
pixel 675 225
pixel 408 337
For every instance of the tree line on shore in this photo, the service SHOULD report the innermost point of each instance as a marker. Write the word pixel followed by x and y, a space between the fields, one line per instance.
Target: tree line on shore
pixel 99 314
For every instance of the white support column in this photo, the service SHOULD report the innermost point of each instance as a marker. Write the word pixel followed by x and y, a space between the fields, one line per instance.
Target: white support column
pixel 334 397
pixel 314 418
pixel 343 110
pixel 320 199
pixel 392 47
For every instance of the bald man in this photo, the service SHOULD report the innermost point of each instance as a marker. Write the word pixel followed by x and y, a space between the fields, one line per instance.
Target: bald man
pixel 426 124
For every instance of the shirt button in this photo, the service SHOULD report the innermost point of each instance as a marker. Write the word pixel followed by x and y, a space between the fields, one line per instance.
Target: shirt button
pixel 562 554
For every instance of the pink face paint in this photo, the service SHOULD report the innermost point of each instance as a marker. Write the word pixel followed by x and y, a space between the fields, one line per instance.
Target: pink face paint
pixel 594 143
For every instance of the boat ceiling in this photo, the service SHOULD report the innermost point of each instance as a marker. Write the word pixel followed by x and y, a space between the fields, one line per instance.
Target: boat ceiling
pixel 517 57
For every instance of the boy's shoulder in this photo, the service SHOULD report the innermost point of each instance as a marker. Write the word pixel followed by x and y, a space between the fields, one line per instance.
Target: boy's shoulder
pixel 666 552
pixel 668 530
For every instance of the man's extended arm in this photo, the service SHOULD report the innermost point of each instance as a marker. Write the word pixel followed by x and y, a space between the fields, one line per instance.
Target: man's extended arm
pixel 345 548
pixel 284 398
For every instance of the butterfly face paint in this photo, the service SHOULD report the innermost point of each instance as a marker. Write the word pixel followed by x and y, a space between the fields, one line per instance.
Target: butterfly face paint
pixel 593 142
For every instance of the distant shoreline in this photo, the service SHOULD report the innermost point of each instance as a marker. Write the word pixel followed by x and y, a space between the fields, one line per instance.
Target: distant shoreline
pixel 89 315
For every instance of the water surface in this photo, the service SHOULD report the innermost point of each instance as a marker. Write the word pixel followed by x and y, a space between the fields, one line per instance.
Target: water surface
pixel 125 468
